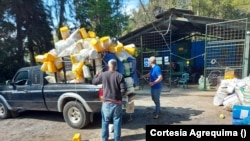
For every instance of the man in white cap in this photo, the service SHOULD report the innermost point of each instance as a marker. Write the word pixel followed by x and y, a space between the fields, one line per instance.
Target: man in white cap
pixel 155 82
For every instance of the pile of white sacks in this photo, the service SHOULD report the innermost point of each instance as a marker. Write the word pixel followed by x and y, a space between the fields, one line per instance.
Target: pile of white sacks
pixel 231 92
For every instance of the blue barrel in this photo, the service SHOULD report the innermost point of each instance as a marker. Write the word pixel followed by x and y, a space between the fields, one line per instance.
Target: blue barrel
pixel 134 75
pixel 240 110
pixel 108 56
pixel 120 67
pixel 106 59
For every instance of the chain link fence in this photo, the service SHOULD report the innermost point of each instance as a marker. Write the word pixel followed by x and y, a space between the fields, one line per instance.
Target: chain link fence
pixel 224 49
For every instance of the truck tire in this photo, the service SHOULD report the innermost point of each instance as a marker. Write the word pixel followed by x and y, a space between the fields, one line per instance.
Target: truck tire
pixel 4 112
pixel 14 114
pixel 75 115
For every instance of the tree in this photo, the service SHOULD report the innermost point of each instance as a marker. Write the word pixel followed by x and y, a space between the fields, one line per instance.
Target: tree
pixel 61 13
pixel 33 30
pixel 81 9
pixel 102 16
pixel 225 9
pixel 27 32
pixel 6 42
pixel 146 13
pixel 38 31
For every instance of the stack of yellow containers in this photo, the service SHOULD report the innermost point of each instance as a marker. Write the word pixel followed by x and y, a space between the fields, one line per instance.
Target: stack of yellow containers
pixel 82 47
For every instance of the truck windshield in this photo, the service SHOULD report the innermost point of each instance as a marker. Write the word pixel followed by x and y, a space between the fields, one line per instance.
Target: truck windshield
pixel 21 78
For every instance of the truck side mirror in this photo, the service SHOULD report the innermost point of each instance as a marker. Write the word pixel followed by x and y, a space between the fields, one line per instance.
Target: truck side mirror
pixel 8 82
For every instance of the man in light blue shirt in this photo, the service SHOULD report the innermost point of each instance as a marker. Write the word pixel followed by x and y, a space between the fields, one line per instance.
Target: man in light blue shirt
pixel 155 82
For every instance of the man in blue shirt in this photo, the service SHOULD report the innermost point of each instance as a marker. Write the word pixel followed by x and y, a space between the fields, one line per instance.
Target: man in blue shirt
pixel 155 82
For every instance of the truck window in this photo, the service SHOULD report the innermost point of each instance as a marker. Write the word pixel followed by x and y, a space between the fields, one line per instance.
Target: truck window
pixel 21 78
pixel 36 77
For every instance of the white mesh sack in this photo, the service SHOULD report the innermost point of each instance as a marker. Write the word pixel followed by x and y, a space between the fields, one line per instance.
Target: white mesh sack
pixel 84 54
pixel 93 54
pixel 86 71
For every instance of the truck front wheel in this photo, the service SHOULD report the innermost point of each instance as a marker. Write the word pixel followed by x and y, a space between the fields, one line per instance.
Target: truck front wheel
pixel 75 115
pixel 4 112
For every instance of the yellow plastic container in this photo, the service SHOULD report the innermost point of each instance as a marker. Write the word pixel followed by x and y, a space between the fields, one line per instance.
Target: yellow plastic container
pixel 64 32
pixel 77 68
pixel 96 45
pixel 91 34
pixel 44 67
pixel 75 58
pixel 229 74
pixel 105 39
pixel 50 57
pixel 40 58
pixel 76 137
pixel 83 33
pixel 130 49
pixel 58 63
pixel 117 49
pixel 51 67
pixel 79 78
pixel 106 42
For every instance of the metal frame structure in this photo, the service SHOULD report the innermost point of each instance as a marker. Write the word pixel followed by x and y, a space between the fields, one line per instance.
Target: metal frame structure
pixel 225 47
pixel 156 44
pixel 224 41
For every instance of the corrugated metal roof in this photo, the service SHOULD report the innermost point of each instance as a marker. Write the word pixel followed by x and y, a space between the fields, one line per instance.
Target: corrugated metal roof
pixel 181 22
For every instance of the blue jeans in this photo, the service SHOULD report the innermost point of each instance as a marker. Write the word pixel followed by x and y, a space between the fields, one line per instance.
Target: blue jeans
pixel 111 112
pixel 155 94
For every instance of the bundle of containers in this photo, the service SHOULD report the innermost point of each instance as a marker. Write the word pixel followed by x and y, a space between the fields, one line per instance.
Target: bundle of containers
pixel 234 95
pixel 87 52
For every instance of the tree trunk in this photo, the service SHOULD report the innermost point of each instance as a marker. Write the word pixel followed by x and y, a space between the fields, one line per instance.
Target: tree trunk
pixel 31 54
pixel 61 16
pixel 20 50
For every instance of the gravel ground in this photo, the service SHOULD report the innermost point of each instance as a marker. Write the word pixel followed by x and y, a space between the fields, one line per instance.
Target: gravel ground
pixel 189 106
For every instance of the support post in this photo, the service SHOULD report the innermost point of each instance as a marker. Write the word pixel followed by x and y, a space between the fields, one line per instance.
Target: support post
pixel 246 55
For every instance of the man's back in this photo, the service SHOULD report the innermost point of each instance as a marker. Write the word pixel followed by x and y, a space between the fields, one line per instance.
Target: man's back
pixel 113 85
pixel 113 88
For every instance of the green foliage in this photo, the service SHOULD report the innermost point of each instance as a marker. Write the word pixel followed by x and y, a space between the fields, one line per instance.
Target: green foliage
pixel 102 16
pixel 225 9
pixel 26 32
pixel 26 26
pixel 141 17
pixel 37 30
pixel 81 8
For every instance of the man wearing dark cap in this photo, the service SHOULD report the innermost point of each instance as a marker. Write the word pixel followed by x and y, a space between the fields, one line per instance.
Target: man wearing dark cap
pixel 113 89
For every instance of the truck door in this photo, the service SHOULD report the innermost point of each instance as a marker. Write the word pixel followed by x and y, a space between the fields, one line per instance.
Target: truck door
pixel 20 96
pixel 36 87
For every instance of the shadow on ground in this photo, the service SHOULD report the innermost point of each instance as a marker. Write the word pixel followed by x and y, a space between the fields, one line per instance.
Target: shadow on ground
pixel 134 137
pixel 41 115
pixel 143 116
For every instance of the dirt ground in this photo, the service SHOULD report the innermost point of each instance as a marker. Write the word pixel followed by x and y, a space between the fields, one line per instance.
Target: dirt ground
pixel 189 106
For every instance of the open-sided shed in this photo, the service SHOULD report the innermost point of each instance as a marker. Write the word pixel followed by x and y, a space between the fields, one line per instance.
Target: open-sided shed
pixel 179 35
